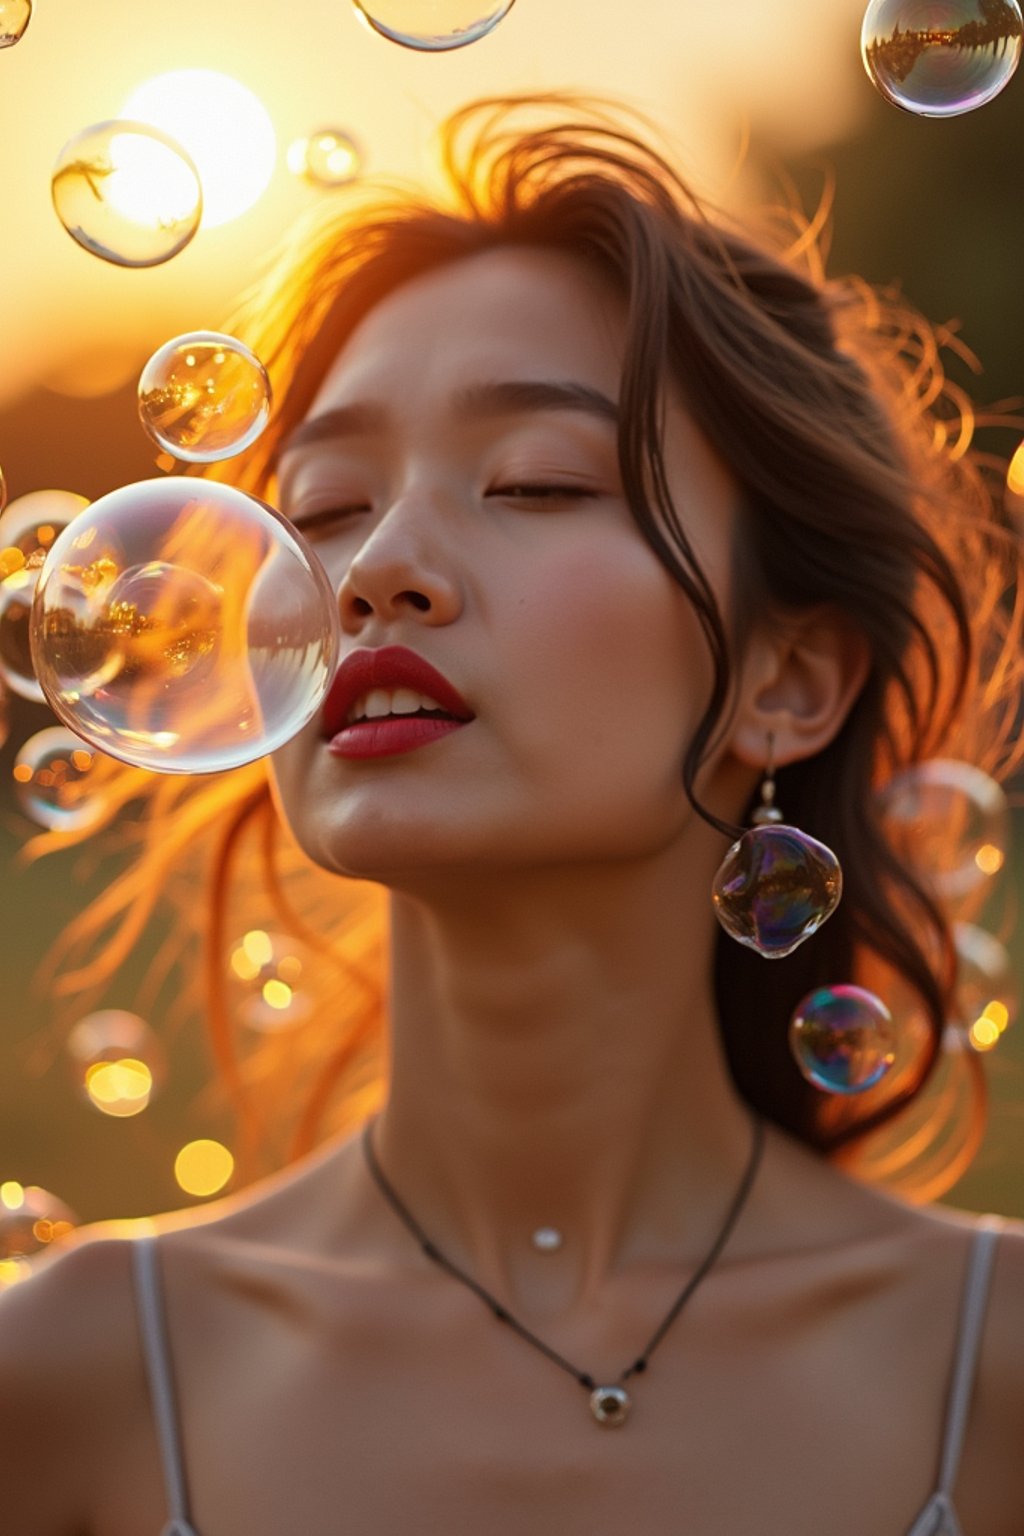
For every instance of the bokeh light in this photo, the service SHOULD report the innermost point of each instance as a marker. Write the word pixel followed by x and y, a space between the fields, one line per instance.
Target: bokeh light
pixel 183 626
pixel 127 193
pixel 327 158
pixel 222 126
pixel 432 26
pixel 117 1062
pixel 15 16
pixel 842 1038
pixel 31 1219
pixel 268 972
pixel 203 1167
pixel 986 992
pixel 940 58
pixel 204 397
pixel 51 778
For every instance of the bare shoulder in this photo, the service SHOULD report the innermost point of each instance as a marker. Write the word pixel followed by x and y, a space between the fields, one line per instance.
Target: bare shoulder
pixel 65 1340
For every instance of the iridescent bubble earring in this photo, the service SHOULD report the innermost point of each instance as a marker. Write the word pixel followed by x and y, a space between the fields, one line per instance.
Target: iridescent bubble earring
pixel 776 885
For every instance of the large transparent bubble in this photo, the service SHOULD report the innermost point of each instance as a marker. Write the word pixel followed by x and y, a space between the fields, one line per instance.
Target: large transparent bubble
pixel 433 26
pixel 204 397
pixel 128 193
pixel 950 821
pixel 183 626
pixel 28 528
pixel 15 16
pixel 939 58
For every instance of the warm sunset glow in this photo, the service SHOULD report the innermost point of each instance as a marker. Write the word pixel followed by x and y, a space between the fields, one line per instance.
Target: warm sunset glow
pixel 223 127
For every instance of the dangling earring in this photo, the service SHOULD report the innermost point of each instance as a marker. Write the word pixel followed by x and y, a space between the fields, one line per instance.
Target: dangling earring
pixel 776 885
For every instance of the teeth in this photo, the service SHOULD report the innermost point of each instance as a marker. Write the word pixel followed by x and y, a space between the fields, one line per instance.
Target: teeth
pixel 389 701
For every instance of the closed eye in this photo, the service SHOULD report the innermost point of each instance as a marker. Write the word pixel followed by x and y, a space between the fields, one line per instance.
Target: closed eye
pixel 542 492
pixel 311 520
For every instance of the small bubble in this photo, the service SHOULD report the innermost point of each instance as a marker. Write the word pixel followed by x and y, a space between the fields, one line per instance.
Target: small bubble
pixel 940 58
pixel 15 16
pixel 51 779
pixel 204 397
pixel 949 820
pixel 183 626
pixel 328 158
pixel 843 1039
pixel 31 1219
pixel 432 26
pixel 127 193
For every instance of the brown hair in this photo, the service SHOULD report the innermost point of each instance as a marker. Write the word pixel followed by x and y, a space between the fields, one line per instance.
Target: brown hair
pixel 828 403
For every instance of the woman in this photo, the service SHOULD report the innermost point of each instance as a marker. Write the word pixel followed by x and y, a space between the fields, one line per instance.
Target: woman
pixel 628 513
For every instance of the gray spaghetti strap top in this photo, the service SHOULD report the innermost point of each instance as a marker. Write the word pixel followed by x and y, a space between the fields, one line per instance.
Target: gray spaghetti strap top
pixel 937 1518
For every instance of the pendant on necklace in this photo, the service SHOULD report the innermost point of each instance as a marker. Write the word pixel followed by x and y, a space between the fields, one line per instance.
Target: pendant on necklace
pixel 610 1405
pixel 547 1239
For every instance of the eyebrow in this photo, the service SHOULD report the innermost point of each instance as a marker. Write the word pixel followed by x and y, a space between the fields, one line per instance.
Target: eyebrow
pixel 478 401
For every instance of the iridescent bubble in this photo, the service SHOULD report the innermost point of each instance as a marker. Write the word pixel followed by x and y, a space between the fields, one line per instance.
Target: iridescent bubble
pixel 27 530
pixel 127 192
pixel 986 990
pixel 843 1039
pixel 184 626
pixel 950 822
pixel 775 887
pixel 432 26
pixel 15 16
pixel 939 58
pixel 116 1061
pixel 51 780
pixel 328 158
pixel 269 970
pixel 204 397
pixel 31 1219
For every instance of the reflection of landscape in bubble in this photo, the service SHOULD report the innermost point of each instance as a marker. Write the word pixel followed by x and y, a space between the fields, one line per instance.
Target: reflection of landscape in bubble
pixel 127 193
pixel 181 626
pixel 204 397
pixel 433 25
pixel 942 57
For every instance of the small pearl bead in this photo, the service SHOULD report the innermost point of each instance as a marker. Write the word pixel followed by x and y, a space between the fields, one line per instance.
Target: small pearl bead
pixel 547 1239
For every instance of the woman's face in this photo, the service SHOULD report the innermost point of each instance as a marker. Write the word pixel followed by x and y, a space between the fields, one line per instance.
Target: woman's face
pixel 468 507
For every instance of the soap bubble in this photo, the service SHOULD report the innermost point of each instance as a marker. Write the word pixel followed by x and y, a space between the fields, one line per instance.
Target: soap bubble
pixel 950 822
pixel 116 1062
pixel 843 1039
pixel 127 192
pixel 774 888
pixel 328 158
pixel 31 1219
pixel 51 780
pixel 15 16
pixel 939 58
pixel 27 530
pixel 204 397
pixel 184 626
pixel 432 26
pixel 268 971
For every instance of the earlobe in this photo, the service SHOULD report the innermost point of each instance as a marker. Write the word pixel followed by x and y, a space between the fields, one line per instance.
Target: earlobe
pixel 802 675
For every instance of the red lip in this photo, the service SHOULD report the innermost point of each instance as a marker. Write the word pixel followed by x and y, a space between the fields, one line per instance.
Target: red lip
pixel 388 666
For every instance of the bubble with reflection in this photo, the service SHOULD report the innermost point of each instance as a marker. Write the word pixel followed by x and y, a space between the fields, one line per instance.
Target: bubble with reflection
pixel 950 822
pixel 775 887
pixel 31 1218
pixel 204 397
pixel 940 58
pixel 127 193
pixel 27 530
pixel 433 26
pixel 15 16
pixel 328 158
pixel 184 626
pixel 842 1038
pixel 51 780
pixel 116 1062
pixel 269 973
pixel 986 990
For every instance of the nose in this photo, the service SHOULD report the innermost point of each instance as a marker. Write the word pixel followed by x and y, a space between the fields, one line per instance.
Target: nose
pixel 401 570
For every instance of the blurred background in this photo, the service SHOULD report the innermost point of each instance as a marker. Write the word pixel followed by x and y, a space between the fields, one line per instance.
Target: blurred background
pixel 759 101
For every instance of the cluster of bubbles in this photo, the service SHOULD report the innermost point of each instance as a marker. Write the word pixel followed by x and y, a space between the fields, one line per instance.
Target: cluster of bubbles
pixel 941 58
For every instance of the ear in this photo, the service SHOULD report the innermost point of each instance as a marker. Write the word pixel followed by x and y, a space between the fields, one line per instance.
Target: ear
pixel 800 677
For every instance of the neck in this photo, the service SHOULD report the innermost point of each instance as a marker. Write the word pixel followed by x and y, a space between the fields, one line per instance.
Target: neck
pixel 556 1062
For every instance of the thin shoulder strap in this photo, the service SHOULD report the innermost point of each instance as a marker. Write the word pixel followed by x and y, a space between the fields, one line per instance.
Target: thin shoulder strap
pixel 153 1328
pixel 972 1318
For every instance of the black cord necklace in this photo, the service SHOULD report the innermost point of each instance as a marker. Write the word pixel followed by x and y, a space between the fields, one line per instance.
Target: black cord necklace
pixel 610 1405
